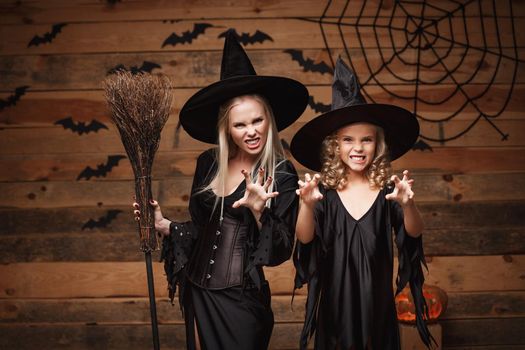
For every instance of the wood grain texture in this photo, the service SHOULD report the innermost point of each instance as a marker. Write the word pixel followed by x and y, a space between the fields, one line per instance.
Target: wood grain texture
pixel 108 311
pixel 176 191
pixel 120 279
pixel 43 109
pixel 395 32
pixel 438 217
pixel 200 68
pixel 52 11
pixel 90 246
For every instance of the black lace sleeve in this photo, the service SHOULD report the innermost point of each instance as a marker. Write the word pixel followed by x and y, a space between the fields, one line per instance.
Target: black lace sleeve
pixel 411 258
pixel 176 249
pixel 274 243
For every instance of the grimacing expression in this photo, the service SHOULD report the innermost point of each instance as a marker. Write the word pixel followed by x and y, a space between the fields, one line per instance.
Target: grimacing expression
pixel 248 126
pixel 357 146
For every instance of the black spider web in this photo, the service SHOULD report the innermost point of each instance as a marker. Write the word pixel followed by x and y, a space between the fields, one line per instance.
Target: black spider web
pixel 435 44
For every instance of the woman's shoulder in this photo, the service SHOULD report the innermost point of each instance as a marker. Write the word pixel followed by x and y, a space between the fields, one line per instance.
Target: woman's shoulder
pixel 208 156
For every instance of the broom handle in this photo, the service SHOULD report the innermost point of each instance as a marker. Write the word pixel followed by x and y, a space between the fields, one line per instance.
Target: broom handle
pixel 152 304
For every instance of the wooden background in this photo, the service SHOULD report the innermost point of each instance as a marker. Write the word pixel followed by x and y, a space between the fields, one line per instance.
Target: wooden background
pixel 64 285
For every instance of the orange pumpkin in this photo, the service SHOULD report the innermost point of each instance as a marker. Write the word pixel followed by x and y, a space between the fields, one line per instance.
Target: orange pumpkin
pixel 435 297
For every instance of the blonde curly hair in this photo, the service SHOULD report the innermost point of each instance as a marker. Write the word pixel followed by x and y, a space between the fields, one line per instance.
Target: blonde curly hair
pixel 333 171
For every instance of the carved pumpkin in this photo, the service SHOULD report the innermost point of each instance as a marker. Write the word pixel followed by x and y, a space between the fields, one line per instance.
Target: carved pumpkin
pixel 435 297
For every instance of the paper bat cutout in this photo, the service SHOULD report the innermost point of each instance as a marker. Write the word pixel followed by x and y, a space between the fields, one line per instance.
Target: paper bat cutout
pixel 81 127
pixel 102 221
pixel 13 99
pixel 102 169
pixel 308 64
pixel 246 38
pixel 187 36
pixel 146 67
pixel 48 37
pixel 318 107
pixel 421 145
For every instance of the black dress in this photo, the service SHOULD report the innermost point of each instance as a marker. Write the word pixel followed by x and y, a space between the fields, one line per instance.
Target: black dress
pixel 349 269
pixel 218 266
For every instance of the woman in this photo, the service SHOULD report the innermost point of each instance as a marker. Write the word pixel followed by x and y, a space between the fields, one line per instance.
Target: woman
pixel 243 205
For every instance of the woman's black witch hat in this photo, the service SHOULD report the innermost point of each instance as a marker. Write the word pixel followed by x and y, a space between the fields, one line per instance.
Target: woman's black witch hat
pixel 287 97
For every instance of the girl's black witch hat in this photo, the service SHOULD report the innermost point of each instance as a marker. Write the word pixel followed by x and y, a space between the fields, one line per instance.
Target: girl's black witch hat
pixel 349 106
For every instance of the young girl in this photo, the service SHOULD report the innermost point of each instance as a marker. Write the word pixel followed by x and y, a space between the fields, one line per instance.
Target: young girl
pixel 344 227
pixel 238 224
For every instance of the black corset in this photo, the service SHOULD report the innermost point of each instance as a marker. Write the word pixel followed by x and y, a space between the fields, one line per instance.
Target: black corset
pixel 218 257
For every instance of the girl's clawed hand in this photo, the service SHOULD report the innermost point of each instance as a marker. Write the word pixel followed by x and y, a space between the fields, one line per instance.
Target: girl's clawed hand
pixel 308 189
pixel 162 225
pixel 256 193
pixel 402 192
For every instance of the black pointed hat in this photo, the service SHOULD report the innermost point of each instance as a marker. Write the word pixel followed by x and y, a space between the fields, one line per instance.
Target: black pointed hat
pixel 287 97
pixel 349 106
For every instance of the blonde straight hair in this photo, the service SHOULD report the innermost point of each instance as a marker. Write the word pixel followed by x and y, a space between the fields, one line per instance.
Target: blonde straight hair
pixel 270 157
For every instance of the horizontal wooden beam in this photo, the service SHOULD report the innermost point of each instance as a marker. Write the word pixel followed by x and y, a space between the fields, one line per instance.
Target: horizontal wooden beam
pixel 110 311
pixel 198 69
pixel 69 167
pixel 501 333
pixel 56 140
pixel 370 32
pixel 176 191
pixel 44 109
pixel 52 11
pixel 119 279
pixel 92 246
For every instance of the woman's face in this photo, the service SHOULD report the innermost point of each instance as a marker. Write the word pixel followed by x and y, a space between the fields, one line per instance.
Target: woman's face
pixel 357 146
pixel 248 126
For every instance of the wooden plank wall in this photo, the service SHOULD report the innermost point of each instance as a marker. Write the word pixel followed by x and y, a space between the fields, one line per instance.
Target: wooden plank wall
pixel 68 284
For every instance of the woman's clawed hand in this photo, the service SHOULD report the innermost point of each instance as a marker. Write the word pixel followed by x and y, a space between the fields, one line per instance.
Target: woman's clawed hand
pixel 256 193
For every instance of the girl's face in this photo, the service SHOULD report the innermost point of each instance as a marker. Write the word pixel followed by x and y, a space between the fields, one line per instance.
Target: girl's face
pixel 248 126
pixel 357 146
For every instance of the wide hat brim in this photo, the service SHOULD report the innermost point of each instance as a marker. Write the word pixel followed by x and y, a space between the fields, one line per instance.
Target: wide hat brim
pixel 400 126
pixel 199 115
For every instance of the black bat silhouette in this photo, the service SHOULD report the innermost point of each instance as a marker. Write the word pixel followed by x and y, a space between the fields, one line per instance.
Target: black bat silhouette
pixel 247 38
pixel 308 64
pixel 48 37
pixel 81 127
pixel 421 145
pixel 318 107
pixel 147 67
pixel 187 36
pixel 102 169
pixel 102 221
pixel 13 99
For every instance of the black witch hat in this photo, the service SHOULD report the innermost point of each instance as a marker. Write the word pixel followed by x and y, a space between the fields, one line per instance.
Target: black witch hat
pixel 349 106
pixel 287 97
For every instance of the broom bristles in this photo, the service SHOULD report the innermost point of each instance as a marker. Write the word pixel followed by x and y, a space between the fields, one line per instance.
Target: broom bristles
pixel 140 105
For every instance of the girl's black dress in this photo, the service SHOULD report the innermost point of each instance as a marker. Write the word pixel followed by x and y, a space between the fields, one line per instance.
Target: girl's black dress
pixel 218 267
pixel 349 269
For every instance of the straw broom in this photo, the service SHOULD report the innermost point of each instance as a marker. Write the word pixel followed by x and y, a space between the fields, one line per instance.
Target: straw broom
pixel 140 106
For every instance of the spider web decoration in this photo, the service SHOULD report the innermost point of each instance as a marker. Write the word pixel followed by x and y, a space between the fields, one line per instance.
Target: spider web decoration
pixel 431 43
